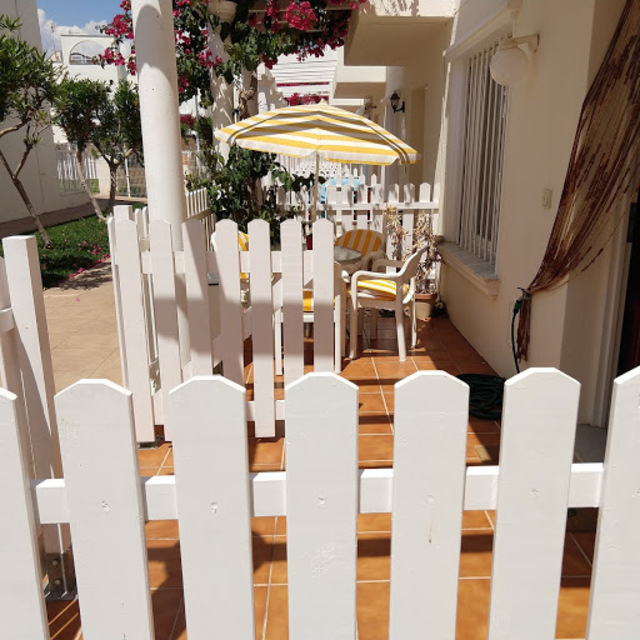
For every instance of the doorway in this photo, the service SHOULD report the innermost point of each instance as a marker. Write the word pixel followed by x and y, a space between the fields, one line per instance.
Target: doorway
pixel 629 354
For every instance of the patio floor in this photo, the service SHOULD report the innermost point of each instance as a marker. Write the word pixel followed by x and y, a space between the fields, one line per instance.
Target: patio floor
pixel 84 343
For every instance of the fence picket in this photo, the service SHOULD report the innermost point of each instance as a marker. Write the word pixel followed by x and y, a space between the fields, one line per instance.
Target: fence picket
pixel 230 307
pixel 166 312
pixel 321 507
pixel 536 451
pixel 262 328
pixel 323 294
pixel 34 358
pixel 213 503
pixel 197 286
pixel 22 609
pixel 428 493
pixel 613 609
pixel 105 510
pixel 137 378
pixel 292 283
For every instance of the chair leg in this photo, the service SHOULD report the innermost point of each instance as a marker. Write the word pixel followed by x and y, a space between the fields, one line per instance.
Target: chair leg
pixel 402 349
pixel 353 332
pixel 373 324
pixel 414 329
pixel 277 341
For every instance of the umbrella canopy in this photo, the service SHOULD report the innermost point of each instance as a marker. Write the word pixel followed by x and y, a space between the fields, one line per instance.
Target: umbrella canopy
pixel 332 133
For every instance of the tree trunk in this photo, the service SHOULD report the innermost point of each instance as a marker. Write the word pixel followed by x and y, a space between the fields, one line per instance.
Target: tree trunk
pixel 248 95
pixel 85 184
pixel 113 184
pixel 46 240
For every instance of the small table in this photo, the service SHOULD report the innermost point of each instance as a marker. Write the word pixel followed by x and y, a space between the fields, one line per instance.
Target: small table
pixel 349 259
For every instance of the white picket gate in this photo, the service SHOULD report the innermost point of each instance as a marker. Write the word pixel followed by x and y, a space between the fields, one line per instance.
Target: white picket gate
pixel 213 496
pixel 182 312
pixel 26 371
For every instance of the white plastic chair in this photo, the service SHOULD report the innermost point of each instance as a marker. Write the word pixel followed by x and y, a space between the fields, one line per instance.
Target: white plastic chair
pixel 393 291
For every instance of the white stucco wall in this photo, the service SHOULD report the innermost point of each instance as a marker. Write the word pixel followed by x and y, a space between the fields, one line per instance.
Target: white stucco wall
pixel 544 109
pixel 39 175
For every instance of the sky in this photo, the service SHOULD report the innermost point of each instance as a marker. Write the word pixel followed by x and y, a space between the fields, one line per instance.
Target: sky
pixel 72 16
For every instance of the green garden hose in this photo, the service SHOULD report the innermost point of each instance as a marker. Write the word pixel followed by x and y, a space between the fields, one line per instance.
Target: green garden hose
pixel 485 395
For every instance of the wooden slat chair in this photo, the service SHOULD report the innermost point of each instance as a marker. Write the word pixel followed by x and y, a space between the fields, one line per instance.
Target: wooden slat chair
pixel 371 244
pixel 377 290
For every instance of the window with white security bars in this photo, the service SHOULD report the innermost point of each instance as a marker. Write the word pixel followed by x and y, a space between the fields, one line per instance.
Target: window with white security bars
pixel 483 151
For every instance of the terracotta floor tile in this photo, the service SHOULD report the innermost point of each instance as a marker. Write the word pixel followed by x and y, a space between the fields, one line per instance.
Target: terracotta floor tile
pixel 262 547
pixel 373 556
pixel 165 568
pixel 490 442
pixel 475 520
pixel 397 370
pixel 480 426
pixel 153 457
pixel 372 403
pixel 574 563
pixel 281 526
pixel 279 565
pixel 161 529
pixel 573 606
pixel 64 620
pixel 475 558
pixel 366 385
pixel 263 526
pixel 259 609
pixel 374 423
pixel 471 366
pixel 277 627
pixel 373 610
pixel 370 522
pixel 375 449
pixel 473 609
pixel 265 451
pixel 586 541
pixel 166 471
pixel 166 605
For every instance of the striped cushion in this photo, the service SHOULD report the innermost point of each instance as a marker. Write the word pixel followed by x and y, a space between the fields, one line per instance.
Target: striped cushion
pixel 381 288
pixel 243 241
pixel 361 240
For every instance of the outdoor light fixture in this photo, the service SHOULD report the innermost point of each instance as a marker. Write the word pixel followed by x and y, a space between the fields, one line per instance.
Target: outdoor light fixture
pixel 509 63
pixel 395 102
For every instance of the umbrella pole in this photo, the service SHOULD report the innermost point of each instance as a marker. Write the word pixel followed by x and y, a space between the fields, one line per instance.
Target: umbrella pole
pixel 316 186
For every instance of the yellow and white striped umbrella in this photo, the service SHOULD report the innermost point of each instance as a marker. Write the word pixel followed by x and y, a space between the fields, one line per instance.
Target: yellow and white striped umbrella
pixel 332 133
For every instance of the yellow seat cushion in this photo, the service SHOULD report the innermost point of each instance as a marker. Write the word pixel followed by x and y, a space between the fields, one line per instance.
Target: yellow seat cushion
pixel 307 301
pixel 361 240
pixel 381 288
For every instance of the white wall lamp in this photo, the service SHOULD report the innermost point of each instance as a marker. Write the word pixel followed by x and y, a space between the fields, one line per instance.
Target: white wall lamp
pixel 509 63
pixel 394 100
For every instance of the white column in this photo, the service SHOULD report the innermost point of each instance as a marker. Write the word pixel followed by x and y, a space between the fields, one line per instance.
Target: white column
pixel 222 109
pixel 158 82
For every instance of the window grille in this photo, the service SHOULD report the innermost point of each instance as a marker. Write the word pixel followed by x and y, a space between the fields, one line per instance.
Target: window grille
pixel 486 111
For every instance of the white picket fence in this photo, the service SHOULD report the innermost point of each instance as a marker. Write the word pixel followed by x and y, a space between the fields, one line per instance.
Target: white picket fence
pixel 68 178
pixel 213 496
pixel 183 312
pixel 26 371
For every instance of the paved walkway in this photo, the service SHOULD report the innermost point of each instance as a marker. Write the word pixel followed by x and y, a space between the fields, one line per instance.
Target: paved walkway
pixel 82 328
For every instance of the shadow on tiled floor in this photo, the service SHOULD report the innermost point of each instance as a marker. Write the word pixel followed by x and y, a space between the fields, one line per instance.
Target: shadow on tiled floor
pixel 440 346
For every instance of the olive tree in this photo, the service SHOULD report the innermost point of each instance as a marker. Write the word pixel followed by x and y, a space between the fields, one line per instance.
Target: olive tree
pixel 28 85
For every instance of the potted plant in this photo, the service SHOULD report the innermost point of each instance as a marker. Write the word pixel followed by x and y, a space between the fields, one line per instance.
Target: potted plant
pixel 423 236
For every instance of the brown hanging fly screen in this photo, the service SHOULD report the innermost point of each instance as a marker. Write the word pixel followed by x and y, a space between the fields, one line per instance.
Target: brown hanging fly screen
pixel 602 169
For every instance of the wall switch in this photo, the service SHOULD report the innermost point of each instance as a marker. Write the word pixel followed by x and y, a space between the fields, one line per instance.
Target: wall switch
pixel 546 198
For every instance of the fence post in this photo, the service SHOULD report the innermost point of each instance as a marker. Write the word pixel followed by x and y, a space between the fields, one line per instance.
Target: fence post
pixel 322 506
pixel 22 608
pixel 613 609
pixel 105 510
pixel 34 357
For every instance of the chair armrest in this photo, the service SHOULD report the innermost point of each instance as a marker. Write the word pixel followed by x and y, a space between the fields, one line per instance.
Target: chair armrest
pixel 371 258
pixel 385 262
